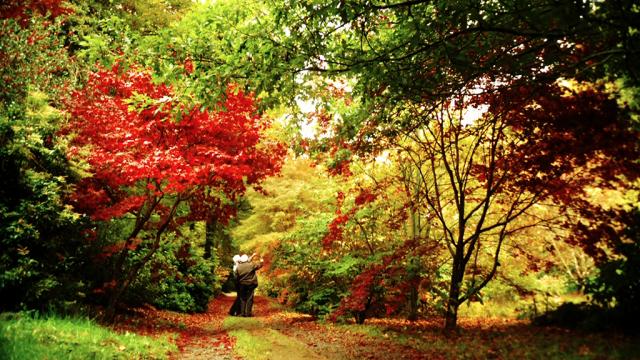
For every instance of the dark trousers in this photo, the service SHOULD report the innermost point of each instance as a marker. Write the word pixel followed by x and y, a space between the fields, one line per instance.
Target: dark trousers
pixel 245 293
pixel 235 308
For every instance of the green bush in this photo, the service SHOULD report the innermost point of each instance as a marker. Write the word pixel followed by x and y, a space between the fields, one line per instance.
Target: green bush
pixel 43 251
pixel 314 283
pixel 177 279
pixel 616 288
pixel 615 291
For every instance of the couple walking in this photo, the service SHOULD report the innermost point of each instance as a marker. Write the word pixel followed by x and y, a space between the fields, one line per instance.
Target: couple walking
pixel 246 280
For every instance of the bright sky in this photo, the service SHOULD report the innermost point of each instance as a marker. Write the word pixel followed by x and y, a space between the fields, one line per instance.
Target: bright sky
pixel 469 116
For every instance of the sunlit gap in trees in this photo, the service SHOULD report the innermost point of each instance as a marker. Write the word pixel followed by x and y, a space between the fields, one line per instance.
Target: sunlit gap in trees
pixel 472 113
pixel 306 107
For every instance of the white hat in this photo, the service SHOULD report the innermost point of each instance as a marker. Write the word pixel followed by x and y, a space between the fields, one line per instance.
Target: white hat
pixel 236 258
pixel 244 258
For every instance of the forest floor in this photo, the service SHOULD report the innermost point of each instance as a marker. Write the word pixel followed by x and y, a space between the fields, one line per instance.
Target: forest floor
pixel 276 333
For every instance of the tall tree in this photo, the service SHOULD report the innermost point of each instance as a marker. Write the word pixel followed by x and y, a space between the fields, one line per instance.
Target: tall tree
pixel 413 49
pixel 480 175
pixel 148 159
pixel 413 59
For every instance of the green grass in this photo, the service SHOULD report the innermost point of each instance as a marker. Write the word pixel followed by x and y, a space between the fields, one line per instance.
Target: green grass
pixel 254 341
pixel 233 323
pixel 268 344
pixel 249 346
pixel 23 336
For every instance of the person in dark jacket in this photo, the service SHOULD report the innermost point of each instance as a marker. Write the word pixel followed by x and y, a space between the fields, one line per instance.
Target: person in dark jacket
pixel 235 308
pixel 248 282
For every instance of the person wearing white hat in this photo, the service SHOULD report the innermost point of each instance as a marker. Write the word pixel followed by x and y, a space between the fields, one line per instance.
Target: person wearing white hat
pixel 235 308
pixel 236 260
pixel 248 281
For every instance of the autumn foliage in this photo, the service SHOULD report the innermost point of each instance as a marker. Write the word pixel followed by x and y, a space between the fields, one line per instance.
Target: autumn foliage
pixel 148 156
pixel 142 147
pixel 23 10
pixel 567 141
pixel 130 134
pixel 533 144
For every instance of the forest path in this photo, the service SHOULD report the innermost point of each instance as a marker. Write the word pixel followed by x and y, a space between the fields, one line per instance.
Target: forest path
pixel 272 333
pixel 197 336
pixel 275 333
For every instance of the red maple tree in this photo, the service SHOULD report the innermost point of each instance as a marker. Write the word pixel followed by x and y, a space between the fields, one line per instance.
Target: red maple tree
pixel 23 10
pixel 151 158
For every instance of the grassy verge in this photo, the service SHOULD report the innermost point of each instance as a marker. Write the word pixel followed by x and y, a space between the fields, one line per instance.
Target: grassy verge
pixel 23 336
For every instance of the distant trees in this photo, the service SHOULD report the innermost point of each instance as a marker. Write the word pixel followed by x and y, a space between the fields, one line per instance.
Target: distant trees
pixel 417 66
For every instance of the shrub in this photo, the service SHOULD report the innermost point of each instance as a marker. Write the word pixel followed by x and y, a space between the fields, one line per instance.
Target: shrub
pixel 615 290
pixel 617 285
pixel 177 279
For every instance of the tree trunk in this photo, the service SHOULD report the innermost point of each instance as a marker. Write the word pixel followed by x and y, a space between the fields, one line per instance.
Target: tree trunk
pixel 451 317
pixel 210 238
pixel 110 311
pixel 361 316
pixel 414 274
pixel 123 284
pixel 413 303
pixel 122 280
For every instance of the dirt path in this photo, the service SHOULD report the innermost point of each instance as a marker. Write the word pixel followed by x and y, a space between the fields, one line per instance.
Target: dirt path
pixel 205 337
pixel 273 333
